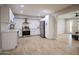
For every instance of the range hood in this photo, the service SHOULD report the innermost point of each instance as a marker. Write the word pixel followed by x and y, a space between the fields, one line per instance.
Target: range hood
pixel 25 25
pixel 26 21
pixel 25 28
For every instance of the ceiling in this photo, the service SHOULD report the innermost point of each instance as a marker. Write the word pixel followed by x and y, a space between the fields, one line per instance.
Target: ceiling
pixel 36 9
pixel 69 15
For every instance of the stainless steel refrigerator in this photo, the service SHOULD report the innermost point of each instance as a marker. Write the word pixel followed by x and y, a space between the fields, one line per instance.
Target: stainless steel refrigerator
pixel 42 29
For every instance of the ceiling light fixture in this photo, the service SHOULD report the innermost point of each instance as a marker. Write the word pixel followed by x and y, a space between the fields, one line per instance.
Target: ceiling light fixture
pixel 21 12
pixel 22 5
pixel 46 11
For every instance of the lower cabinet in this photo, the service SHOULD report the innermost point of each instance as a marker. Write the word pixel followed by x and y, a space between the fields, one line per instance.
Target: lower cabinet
pixel 9 40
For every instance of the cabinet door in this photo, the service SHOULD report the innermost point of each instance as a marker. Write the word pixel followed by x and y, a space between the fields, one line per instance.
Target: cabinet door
pixel 11 16
pixel 4 14
pixel 9 40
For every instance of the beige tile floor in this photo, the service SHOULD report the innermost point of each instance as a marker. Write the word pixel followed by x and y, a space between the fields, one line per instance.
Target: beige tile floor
pixel 35 45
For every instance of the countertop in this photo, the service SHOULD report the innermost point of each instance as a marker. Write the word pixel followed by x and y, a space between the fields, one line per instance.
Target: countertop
pixel 10 31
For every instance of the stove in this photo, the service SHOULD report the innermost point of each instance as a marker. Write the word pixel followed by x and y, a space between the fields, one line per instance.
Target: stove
pixel 25 28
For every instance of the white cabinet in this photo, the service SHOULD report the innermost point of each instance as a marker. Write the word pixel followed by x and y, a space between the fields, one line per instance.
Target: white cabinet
pixel 11 16
pixel 9 40
pixel 6 15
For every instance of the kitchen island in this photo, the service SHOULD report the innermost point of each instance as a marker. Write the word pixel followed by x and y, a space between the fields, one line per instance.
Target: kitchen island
pixel 9 39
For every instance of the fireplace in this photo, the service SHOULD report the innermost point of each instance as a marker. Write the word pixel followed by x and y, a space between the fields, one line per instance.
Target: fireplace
pixel 25 28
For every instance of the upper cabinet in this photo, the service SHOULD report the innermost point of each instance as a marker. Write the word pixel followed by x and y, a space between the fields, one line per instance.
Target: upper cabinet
pixel 11 15
pixel 6 15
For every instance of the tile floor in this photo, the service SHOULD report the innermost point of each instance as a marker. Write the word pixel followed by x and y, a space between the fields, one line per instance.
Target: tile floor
pixel 35 45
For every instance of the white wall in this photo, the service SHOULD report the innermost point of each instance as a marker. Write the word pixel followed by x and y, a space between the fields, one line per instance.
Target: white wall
pixel 0 31
pixel 68 26
pixel 18 25
pixel 46 26
pixel 50 27
pixel 34 27
pixel 60 26
pixel 74 26
pixel 33 24
pixel 64 26
pixel 68 17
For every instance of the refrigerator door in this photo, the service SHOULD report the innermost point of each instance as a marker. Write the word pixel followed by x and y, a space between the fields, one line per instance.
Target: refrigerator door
pixel 42 29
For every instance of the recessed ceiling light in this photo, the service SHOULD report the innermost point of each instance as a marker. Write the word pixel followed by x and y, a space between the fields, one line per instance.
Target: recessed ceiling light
pixel 21 12
pixel 22 5
pixel 46 11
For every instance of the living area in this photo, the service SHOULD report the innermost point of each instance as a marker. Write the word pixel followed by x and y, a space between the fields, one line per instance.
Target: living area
pixel 68 28
pixel 31 31
pixel 69 24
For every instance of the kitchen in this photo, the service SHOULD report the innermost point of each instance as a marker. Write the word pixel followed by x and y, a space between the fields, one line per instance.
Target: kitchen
pixel 8 33
pixel 14 27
